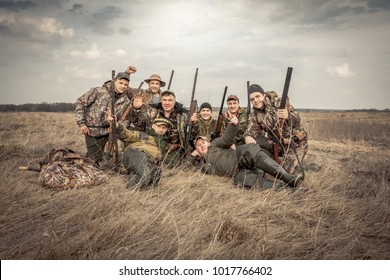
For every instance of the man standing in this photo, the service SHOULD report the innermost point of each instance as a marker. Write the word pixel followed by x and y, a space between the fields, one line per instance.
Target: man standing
pixel 264 127
pixel 202 122
pixel 91 117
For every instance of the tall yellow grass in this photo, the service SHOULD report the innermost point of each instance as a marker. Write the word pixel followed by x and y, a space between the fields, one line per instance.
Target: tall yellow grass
pixel 341 212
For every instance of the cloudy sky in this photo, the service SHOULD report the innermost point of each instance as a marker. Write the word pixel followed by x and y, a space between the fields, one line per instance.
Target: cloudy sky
pixel 56 50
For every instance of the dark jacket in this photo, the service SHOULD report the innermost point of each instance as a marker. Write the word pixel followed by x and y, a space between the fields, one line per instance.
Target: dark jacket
pixel 221 158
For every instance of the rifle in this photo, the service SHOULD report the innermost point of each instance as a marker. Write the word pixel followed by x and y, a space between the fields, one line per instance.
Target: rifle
pixel 281 121
pixel 249 104
pixel 112 145
pixel 193 106
pixel 221 118
pixel 170 80
pixel 129 107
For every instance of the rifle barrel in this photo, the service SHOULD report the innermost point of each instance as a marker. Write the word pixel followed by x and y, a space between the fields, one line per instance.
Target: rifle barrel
pixel 194 85
pixel 286 87
pixel 170 79
pixel 223 101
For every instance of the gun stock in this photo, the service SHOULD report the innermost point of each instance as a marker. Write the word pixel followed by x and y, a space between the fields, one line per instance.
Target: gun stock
pixel 278 131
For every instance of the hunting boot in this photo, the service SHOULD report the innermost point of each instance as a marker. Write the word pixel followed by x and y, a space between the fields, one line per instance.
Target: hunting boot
pixel 271 167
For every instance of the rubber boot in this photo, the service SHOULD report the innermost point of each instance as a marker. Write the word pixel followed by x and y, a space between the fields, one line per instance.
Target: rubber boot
pixel 271 167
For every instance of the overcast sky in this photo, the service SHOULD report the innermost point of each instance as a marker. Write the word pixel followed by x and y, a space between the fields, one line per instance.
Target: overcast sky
pixel 56 50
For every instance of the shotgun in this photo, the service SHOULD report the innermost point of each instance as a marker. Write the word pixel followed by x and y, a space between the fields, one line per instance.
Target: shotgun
pixel 221 118
pixel 193 106
pixel 170 79
pixel 279 129
pixel 113 138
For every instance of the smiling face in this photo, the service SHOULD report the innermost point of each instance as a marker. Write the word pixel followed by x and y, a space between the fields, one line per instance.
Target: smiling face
pixel 205 114
pixel 168 103
pixel 160 129
pixel 233 106
pixel 121 85
pixel 154 86
pixel 202 146
pixel 257 99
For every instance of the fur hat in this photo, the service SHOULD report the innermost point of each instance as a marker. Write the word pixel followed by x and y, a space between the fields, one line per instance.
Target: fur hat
pixel 255 88
pixel 155 77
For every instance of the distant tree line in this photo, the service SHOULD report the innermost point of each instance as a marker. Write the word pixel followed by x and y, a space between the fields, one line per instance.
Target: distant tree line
pixel 40 107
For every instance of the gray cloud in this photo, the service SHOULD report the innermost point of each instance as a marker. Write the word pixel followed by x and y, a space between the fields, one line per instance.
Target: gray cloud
pixel 102 21
pixel 124 30
pixel 16 6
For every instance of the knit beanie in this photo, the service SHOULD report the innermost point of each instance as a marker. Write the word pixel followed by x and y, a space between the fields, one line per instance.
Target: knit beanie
pixel 255 88
pixel 205 105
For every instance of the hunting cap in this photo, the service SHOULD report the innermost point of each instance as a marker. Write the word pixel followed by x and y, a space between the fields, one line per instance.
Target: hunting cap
pixel 155 77
pixel 123 75
pixel 255 88
pixel 233 97
pixel 200 137
pixel 162 121
pixel 205 105
pixel 168 92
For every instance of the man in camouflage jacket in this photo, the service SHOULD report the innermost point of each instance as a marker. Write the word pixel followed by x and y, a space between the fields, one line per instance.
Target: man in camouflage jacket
pixel 91 116
pixel 203 123
pixel 242 164
pixel 234 108
pixel 144 152
pixel 264 127
pixel 174 111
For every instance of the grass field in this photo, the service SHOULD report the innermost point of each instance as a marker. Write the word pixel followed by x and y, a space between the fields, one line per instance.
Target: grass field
pixel 341 212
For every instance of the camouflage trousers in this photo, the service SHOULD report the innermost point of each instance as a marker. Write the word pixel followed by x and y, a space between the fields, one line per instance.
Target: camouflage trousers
pixel 95 147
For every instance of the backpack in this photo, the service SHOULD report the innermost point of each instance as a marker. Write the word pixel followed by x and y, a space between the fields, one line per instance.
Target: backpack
pixel 65 168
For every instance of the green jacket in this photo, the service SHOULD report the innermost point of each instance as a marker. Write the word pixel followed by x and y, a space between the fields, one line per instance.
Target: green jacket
pixel 150 142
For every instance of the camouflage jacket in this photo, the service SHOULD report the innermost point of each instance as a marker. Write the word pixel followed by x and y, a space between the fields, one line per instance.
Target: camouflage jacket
pixel 203 128
pixel 179 120
pixel 139 119
pixel 91 107
pixel 266 123
pixel 150 143
pixel 243 121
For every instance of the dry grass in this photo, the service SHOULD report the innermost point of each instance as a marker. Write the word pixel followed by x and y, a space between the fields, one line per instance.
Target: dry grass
pixel 344 214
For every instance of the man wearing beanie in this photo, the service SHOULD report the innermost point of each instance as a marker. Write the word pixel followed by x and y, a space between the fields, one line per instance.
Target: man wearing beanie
pixel 202 122
pixel 263 129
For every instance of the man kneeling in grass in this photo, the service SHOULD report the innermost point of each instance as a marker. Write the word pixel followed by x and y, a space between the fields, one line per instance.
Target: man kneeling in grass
pixel 143 152
pixel 243 163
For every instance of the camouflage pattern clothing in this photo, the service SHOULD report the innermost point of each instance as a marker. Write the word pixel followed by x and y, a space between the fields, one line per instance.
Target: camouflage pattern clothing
pixel 153 145
pixel 90 111
pixel 203 128
pixel 177 133
pixel 142 156
pixel 139 119
pixel 265 123
pixel 243 120
pixel 91 107
pixel 64 168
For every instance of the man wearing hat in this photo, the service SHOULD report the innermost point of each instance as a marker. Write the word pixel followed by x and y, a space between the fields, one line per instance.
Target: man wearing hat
pixel 264 129
pixel 91 117
pixel 202 122
pixel 233 104
pixel 143 152
pixel 242 164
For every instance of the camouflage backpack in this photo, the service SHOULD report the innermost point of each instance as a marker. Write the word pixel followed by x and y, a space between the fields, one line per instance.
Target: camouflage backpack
pixel 65 168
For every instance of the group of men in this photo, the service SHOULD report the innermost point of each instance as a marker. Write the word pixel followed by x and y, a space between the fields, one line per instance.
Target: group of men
pixel 156 132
